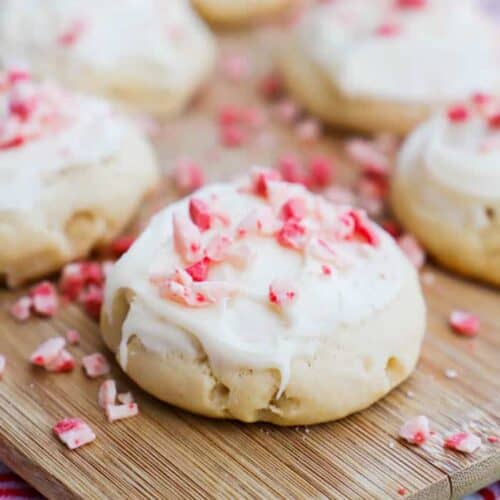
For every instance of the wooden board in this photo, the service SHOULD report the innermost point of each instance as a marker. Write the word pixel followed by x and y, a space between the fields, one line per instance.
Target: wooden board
pixel 167 453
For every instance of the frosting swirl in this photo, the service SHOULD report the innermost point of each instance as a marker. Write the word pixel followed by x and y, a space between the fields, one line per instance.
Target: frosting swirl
pixel 412 51
pixel 254 275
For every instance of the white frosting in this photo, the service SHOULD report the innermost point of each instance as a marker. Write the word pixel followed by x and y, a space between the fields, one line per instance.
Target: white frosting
pixel 63 131
pixel 147 43
pixel 443 51
pixel 246 330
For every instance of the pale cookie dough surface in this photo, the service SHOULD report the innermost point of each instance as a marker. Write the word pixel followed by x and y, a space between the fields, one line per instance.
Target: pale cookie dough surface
pixel 374 65
pixel 238 11
pixel 72 173
pixel 446 189
pixel 297 320
pixel 152 55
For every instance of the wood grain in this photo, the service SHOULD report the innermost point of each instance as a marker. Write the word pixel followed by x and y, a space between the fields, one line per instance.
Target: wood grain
pixel 167 453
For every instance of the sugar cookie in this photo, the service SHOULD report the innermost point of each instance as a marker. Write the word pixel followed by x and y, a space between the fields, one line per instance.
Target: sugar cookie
pixel 384 65
pixel 260 301
pixel 150 54
pixel 446 188
pixel 72 173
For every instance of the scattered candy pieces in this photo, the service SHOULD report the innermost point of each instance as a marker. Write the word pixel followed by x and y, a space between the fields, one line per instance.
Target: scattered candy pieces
pixel 45 299
pixel 73 432
pixel 21 309
pixel 95 365
pixel 119 412
pixel 92 298
pixel 47 351
pixel 464 323
pixel 463 441
pixel 107 393
pixel 281 293
pixel 64 362
pixel 416 430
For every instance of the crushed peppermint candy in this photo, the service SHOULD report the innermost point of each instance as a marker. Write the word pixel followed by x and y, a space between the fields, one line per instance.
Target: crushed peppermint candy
pixel 416 430
pixel 450 373
pixel 3 362
pixel 463 441
pixel 64 362
pixel 464 323
pixel 73 432
pixel 47 351
pixel 122 411
pixel 107 393
pixel 281 293
pixel 95 365
pixel 45 299
pixel 21 309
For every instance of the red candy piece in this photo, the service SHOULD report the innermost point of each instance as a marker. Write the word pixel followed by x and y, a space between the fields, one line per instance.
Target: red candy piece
pixel 73 432
pixel 95 365
pixel 271 85
pixel 21 309
pixel 465 323
pixel 261 177
pixel 463 441
pixel 294 208
pixel 199 270
pixel 47 351
pixel 281 293
pixel 458 114
pixel 388 29
pixel 361 229
pixel 107 393
pixel 64 362
pixel 291 169
pixel 232 136
pixel 200 213
pixel 494 120
pixel 320 171
pixel 45 299
pixel 92 298
pixel 121 245
pixel 416 430
pixel 292 235
pixel 411 4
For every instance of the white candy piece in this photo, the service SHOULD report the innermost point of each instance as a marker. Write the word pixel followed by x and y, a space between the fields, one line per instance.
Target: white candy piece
pixel 47 351
pixel 107 393
pixel 416 430
pixel 119 412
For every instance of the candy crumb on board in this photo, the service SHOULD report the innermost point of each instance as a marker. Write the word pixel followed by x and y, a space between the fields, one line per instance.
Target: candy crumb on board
pixel 416 430
pixel 125 398
pixel 47 351
pixel 107 393
pixel 464 323
pixel 463 441
pixel 3 362
pixel 73 432
pixel 73 336
pixel 120 412
pixel 95 365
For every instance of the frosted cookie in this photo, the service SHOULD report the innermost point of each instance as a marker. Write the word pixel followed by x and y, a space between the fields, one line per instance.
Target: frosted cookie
pixel 150 54
pixel 384 65
pixel 238 11
pixel 446 189
pixel 264 302
pixel 72 173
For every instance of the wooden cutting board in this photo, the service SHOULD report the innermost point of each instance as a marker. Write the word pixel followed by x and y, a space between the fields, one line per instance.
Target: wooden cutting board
pixel 167 453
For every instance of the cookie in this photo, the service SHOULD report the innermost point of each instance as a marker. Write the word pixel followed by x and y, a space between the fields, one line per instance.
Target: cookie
pixel 385 65
pixel 446 188
pixel 152 55
pixel 260 301
pixel 72 173
pixel 238 11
